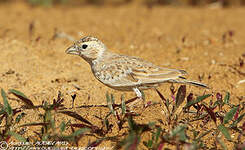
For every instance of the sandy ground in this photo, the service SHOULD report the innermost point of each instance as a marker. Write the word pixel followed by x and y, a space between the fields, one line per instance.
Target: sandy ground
pixel 208 43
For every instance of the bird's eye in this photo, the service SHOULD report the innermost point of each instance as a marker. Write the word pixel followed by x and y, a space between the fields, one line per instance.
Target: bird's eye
pixel 84 46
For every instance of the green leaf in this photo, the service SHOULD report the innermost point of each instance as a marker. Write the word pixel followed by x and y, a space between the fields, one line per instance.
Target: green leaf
pixel 131 123
pixel 132 141
pixel 76 133
pixel 234 124
pixel 216 103
pixel 229 115
pixel 123 105
pixel 151 125
pixel 45 137
pixel 45 105
pixel 167 103
pixel 46 3
pixel 182 136
pixel 62 126
pixel 17 136
pixel 195 134
pixel 149 144
pixel 227 98
pixel 110 102
pixel 52 122
pixel 112 99
pixel 198 99
pixel 22 96
pixel 177 130
pixel 143 95
pixel 222 144
pixel 107 124
pixel 48 119
pixel 7 107
pixel 48 116
pixel 224 131
pixel 19 117
pixel 2 111
pixel 80 131
pixel 17 93
pixel 108 99
pixel 157 134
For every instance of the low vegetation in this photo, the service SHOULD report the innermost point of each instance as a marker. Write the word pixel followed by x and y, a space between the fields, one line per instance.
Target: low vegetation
pixel 223 3
pixel 184 122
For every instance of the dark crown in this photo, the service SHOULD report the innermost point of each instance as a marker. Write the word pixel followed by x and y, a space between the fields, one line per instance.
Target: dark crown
pixel 88 38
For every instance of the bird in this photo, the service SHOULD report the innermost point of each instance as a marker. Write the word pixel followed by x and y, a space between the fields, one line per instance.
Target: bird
pixel 125 73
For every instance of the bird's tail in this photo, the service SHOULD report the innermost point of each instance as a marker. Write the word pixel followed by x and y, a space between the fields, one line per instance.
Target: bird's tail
pixel 195 83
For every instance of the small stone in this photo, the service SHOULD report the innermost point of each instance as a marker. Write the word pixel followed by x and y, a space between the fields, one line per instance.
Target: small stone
pixel 10 71
pixel 213 61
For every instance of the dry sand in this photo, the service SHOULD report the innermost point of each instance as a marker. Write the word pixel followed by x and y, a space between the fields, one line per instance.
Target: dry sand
pixel 207 43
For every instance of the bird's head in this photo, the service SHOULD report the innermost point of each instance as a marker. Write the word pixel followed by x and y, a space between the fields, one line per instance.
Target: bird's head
pixel 89 48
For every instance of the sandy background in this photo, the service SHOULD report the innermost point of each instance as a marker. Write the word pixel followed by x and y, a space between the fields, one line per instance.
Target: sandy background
pixel 208 43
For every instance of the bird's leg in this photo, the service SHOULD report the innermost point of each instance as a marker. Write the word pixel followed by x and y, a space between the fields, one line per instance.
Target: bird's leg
pixel 139 96
pixel 138 93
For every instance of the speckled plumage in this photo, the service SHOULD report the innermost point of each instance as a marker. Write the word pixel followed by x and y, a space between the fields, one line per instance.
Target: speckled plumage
pixel 122 72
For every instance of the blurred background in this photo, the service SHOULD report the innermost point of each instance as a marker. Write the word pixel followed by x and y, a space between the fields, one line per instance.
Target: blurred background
pixel 182 34
pixel 223 3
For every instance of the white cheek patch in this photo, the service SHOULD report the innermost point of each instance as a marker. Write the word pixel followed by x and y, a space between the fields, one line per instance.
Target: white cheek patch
pixel 100 53
pixel 100 47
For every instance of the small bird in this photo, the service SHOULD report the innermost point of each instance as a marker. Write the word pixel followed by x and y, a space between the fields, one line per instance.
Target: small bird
pixel 122 72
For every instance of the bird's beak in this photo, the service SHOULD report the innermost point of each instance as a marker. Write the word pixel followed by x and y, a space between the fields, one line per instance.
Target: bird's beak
pixel 72 50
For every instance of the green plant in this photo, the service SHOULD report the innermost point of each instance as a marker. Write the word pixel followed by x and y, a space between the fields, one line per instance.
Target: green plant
pixel 46 2
pixel 174 128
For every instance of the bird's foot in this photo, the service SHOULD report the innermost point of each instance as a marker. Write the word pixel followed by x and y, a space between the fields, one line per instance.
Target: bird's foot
pixel 138 100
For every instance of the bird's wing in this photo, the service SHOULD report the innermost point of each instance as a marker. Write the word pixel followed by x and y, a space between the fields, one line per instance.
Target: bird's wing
pixel 156 74
pixel 131 71
pixel 146 72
